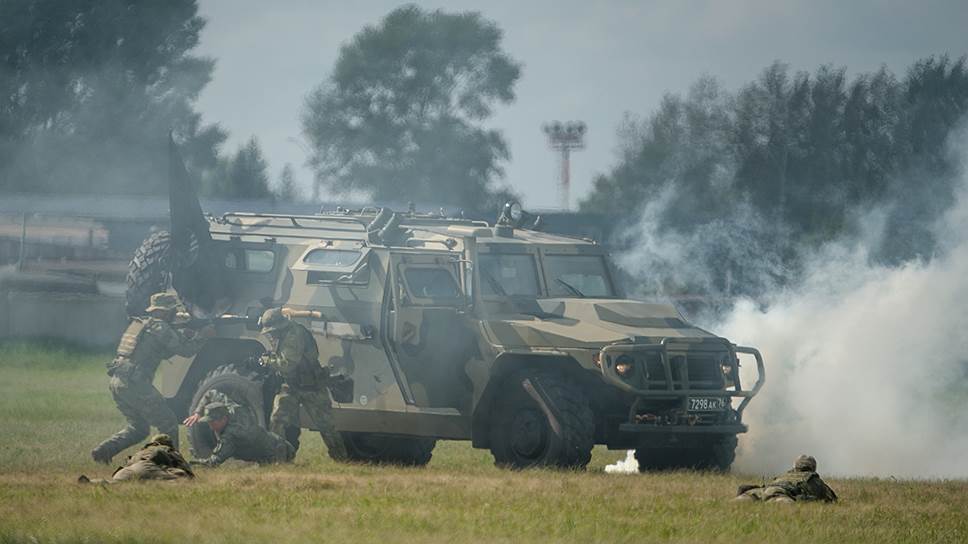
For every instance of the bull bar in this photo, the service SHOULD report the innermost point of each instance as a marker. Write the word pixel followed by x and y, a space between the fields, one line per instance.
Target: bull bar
pixel 668 387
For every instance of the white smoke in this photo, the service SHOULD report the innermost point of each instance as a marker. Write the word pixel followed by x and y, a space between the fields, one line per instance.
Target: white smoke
pixel 867 364
pixel 866 368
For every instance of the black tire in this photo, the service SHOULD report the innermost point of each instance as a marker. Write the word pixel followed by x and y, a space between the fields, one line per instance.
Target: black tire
pixel 149 272
pixel 388 449
pixel 716 454
pixel 244 386
pixel 522 435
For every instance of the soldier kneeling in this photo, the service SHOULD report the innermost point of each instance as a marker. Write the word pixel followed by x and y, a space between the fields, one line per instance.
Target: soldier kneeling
pixel 797 485
pixel 241 441
pixel 158 460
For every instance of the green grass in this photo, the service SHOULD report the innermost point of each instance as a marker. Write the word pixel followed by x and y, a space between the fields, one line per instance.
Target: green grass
pixel 54 406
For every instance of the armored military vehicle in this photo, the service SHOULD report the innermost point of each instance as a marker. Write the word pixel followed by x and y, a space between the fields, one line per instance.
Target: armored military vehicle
pixel 447 328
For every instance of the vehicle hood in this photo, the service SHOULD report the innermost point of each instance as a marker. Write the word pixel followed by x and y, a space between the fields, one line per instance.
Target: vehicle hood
pixel 586 323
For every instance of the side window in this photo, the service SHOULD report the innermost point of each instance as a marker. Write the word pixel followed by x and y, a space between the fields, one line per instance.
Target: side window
pixel 431 285
pixel 259 260
pixel 250 260
pixel 330 265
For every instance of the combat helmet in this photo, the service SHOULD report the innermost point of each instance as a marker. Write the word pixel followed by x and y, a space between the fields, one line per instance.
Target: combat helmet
pixel 273 320
pixel 805 463
pixel 161 440
pixel 162 302
pixel 214 411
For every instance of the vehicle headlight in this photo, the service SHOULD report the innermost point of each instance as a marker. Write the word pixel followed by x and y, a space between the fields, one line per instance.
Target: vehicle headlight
pixel 624 365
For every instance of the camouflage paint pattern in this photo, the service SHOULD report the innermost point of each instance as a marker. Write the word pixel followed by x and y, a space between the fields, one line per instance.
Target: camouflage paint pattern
pixel 794 485
pixel 422 363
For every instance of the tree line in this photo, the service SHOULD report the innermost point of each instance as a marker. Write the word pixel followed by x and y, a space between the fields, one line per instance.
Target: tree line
pixel 722 191
pixel 89 90
pixel 753 181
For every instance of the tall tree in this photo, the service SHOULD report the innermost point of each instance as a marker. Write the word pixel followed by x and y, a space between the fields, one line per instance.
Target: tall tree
pixel 89 90
pixel 787 164
pixel 401 117
pixel 288 190
pixel 245 175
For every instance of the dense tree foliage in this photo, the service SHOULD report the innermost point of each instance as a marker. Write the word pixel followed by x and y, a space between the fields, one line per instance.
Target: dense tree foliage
pixel 244 174
pixel 401 116
pixel 745 183
pixel 89 90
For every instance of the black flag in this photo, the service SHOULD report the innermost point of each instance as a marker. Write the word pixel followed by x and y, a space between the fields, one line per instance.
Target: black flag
pixel 194 273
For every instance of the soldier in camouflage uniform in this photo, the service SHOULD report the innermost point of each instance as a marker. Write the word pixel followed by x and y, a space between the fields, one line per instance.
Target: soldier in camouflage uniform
pixel 296 357
pixel 144 344
pixel 158 460
pixel 241 441
pixel 236 411
pixel 802 483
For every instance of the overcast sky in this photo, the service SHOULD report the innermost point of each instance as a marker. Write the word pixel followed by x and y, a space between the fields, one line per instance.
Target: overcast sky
pixel 584 60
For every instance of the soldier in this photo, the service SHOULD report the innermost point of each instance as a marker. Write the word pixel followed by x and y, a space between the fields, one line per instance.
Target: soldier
pixel 236 411
pixel 296 357
pixel 144 344
pixel 158 460
pixel 241 441
pixel 800 484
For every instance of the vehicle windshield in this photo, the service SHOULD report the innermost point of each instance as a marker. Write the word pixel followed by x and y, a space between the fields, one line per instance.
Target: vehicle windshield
pixel 508 275
pixel 577 276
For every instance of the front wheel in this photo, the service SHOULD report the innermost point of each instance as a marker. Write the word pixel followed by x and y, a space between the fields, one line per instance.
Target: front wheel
pixel 543 420
pixel 388 449
pixel 716 454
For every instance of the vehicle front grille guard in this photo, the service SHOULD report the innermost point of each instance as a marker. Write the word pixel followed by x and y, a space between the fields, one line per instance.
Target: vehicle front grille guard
pixel 674 380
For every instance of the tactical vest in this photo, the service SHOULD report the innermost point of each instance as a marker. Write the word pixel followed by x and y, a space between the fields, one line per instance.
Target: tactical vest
pixel 122 364
pixel 306 374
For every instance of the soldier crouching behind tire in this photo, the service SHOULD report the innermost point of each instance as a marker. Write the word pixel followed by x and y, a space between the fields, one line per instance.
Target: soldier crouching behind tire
pixel 800 484
pixel 241 441
pixel 295 357
pixel 143 345
pixel 158 460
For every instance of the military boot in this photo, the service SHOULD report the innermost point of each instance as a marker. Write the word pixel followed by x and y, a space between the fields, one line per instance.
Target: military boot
pixel 101 455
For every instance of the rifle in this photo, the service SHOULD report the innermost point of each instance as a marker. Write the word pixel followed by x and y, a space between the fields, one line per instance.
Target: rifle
pixel 186 321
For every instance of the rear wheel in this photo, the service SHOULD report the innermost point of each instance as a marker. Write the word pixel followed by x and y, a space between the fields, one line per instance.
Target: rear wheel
pixel 388 449
pixel 544 420
pixel 243 386
pixel 715 454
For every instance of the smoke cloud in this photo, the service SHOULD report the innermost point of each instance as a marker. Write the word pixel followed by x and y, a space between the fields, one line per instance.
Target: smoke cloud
pixel 867 363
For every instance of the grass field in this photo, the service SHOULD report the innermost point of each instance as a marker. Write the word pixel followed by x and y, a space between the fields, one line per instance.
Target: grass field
pixel 54 407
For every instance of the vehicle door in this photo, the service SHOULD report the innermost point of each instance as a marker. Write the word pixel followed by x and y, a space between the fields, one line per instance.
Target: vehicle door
pixel 430 336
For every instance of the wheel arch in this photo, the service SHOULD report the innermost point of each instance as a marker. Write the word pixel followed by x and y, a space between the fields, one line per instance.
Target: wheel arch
pixel 504 366
pixel 217 352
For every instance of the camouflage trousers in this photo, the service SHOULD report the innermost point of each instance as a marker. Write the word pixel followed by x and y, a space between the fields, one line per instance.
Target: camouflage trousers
pixel 284 420
pixel 140 470
pixel 770 493
pixel 143 406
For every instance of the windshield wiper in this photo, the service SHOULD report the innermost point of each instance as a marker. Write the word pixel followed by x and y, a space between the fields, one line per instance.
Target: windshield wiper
pixel 493 283
pixel 570 287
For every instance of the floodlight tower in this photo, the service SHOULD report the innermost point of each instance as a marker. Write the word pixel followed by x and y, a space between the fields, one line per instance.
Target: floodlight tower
pixel 564 137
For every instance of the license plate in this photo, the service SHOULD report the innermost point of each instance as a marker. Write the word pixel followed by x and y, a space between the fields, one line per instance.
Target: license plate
pixel 706 404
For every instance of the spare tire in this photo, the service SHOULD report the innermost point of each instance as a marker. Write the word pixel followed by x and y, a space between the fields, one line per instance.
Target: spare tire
pixel 149 272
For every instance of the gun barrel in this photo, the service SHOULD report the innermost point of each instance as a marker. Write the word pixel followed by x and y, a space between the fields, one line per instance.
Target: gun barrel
pixel 291 313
